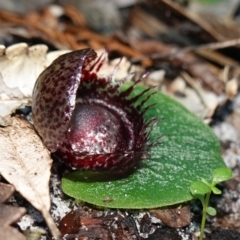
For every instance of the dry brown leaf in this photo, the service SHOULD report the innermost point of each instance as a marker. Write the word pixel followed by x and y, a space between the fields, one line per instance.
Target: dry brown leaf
pixel 175 216
pixel 9 215
pixel 6 191
pixel 26 164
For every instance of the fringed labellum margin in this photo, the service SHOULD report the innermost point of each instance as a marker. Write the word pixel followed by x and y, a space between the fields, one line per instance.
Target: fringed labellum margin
pixel 85 120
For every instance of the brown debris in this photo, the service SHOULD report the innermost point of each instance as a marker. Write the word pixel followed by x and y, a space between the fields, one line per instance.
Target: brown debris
pixel 91 223
pixel 9 214
pixel 175 10
pixel 75 34
pixel 6 192
pixel 80 223
pixel 70 223
pixel 176 216
pixel 183 61
pixel 75 15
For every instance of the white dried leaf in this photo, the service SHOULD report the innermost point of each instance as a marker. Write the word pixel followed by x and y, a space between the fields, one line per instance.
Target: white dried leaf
pixel 177 85
pixel 20 66
pixel 122 67
pixel 231 88
pixel 26 163
pixel 51 56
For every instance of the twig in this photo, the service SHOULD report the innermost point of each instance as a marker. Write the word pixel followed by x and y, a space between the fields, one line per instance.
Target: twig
pixel 176 51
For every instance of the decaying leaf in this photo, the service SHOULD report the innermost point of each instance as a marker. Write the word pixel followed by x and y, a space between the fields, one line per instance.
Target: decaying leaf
pixel 80 224
pixel 26 164
pixel 176 216
pixel 6 190
pixel 9 214
pixel 20 66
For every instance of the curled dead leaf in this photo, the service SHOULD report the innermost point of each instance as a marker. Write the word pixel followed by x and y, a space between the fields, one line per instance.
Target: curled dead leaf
pixel 20 66
pixel 26 164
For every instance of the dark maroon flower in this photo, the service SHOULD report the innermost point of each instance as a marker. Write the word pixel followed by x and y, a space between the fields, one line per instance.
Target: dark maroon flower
pixel 85 120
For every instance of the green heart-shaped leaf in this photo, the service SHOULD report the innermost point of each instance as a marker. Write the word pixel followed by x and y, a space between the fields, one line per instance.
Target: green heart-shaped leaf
pixel 221 175
pixel 190 152
pixel 199 188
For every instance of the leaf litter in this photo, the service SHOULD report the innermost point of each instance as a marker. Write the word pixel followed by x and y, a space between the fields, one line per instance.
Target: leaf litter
pixel 26 164
pixel 80 32
pixel 9 214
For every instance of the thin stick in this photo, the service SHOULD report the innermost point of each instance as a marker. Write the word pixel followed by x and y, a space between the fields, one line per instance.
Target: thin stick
pixel 175 51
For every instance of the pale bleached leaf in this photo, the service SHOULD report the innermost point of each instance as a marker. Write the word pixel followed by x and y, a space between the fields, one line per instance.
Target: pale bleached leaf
pixel 20 65
pixel 26 164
